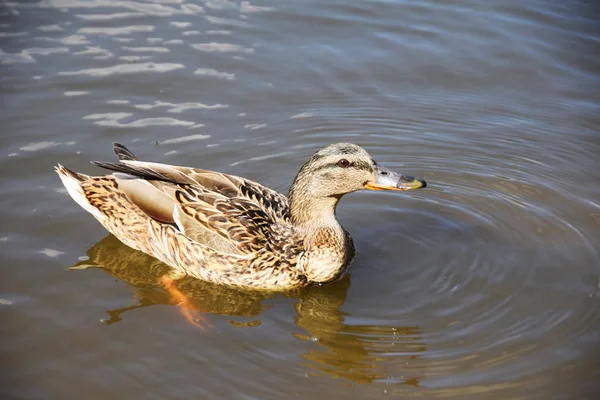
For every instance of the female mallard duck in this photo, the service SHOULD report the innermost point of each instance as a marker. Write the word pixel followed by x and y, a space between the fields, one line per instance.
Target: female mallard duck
pixel 230 230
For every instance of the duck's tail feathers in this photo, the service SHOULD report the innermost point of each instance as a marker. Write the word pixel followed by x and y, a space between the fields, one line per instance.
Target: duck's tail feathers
pixel 72 181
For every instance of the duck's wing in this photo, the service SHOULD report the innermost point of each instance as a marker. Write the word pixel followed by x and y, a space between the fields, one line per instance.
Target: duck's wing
pixel 272 202
pixel 225 212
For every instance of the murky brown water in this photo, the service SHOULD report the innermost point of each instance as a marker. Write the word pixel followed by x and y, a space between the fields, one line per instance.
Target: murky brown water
pixel 485 285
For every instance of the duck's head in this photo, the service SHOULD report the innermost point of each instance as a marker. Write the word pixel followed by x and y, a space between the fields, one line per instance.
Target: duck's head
pixel 344 168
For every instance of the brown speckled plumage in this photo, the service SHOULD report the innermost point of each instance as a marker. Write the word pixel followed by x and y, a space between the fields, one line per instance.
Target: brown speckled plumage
pixel 227 229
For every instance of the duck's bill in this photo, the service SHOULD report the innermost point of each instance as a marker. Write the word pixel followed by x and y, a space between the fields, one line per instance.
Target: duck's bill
pixel 385 179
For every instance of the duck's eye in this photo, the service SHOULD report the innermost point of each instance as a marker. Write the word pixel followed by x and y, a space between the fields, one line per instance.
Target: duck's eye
pixel 343 163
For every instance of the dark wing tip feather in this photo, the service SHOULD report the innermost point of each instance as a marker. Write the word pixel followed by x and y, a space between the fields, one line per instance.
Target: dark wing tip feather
pixel 140 172
pixel 123 153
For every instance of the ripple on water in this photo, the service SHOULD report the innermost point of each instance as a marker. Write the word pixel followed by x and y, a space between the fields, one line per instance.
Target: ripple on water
pixel 215 47
pixel 125 69
pixel 178 108
pixel 123 30
pixel 113 120
pixel 146 49
pixel 214 73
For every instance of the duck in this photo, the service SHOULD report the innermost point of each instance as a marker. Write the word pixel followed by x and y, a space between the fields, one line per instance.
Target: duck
pixel 227 229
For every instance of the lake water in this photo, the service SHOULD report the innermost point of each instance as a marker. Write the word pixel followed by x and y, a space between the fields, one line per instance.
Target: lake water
pixel 484 285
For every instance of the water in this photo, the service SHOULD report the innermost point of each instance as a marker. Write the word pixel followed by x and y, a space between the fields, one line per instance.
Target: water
pixel 484 285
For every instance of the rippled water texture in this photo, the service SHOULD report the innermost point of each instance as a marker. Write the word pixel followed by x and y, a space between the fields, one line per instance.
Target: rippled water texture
pixel 484 285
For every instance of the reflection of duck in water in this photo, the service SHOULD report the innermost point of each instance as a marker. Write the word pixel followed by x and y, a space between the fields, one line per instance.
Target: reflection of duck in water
pixel 145 274
pixel 229 230
pixel 361 353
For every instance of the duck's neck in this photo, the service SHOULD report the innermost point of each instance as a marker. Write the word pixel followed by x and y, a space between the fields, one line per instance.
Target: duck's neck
pixel 310 211
pixel 313 212
pixel 311 205
pixel 316 217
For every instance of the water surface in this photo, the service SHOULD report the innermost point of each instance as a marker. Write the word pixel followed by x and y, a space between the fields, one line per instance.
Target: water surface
pixel 484 285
